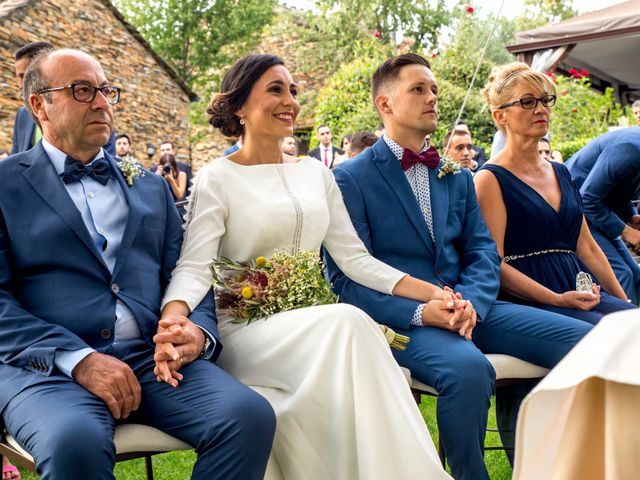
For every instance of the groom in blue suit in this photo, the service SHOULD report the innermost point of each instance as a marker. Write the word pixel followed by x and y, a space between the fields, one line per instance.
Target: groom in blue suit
pixel 422 217
pixel 87 247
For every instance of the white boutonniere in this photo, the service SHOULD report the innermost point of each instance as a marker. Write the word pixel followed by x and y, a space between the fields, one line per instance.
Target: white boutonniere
pixel 448 166
pixel 130 169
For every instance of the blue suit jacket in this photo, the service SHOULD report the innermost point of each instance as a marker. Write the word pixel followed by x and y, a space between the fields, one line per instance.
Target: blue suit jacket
pixel 388 219
pixel 56 293
pixel 607 172
pixel 24 127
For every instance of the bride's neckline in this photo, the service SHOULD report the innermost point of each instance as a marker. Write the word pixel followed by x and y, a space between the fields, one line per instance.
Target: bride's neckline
pixel 281 164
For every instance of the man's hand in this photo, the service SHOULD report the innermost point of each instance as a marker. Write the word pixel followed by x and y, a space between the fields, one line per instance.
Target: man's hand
pixel 456 315
pixel 111 380
pixel 179 341
pixel 631 235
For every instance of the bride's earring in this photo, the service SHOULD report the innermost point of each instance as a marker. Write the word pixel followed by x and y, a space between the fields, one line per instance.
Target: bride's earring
pixel 242 121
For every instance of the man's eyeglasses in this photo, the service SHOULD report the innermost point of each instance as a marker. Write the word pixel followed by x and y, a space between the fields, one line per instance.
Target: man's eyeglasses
pixel 532 102
pixel 86 93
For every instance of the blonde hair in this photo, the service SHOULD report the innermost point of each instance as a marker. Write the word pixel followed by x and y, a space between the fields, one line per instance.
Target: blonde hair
pixel 504 80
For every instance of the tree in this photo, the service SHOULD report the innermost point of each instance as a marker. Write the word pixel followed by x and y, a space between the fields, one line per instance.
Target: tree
pixel 538 13
pixel 198 37
pixel 384 19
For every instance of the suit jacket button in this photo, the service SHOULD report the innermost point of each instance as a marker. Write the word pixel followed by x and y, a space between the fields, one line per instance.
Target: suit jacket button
pixel 105 333
pixel 115 288
pixel 438 272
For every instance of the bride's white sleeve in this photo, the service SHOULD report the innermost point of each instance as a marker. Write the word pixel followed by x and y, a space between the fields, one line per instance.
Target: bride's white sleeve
pixel 204 227
pixel 348 251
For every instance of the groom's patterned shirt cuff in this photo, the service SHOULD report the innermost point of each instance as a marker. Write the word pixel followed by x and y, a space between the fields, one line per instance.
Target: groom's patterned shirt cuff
pixel 416 320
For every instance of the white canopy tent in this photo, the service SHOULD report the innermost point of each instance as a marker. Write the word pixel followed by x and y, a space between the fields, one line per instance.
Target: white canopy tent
pixel 605 42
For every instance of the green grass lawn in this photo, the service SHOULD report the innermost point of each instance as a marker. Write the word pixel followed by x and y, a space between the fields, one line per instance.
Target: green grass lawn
pixel 177 465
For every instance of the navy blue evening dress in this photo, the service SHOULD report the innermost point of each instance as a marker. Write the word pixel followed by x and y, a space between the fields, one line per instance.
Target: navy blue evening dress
pixel 541 242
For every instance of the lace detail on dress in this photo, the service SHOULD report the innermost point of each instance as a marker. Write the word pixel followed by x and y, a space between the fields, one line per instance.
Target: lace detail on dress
pixel 297 232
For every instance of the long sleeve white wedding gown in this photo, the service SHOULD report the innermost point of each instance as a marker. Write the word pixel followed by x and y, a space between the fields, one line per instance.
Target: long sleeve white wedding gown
pixel 344 409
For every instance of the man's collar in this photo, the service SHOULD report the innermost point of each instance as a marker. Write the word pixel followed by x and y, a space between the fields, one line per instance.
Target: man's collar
pixel 398 149
pixel 58 157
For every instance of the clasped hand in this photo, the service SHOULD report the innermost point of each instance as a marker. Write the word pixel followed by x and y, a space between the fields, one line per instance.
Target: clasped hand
pixel 581 300
pixel 178 341
pixel 451 312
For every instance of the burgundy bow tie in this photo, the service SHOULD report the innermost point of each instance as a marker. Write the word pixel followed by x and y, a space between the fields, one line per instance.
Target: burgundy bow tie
pixel 430 157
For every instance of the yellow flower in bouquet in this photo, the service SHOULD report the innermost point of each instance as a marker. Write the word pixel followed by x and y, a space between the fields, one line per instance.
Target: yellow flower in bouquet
pixel 261 287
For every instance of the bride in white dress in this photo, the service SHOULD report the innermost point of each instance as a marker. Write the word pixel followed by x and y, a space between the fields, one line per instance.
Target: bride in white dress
pixel 344 409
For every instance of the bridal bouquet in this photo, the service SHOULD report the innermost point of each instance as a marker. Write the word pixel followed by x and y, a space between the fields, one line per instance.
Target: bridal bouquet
pixel 261 287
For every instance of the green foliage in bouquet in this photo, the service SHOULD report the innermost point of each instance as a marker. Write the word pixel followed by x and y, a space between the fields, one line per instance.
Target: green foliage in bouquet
pixel 261 287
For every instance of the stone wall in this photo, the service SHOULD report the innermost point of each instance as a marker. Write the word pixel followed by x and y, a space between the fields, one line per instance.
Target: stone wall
pixel 153 106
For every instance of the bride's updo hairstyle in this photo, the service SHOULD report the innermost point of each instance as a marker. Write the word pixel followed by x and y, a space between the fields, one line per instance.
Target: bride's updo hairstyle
pixel 504 80
pixel 234 91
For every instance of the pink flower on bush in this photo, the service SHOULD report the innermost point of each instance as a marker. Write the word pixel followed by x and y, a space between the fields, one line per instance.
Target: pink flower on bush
pixel 434 55
pixel 574 110
pixel 469 10
pixel 376 34
pixel 549 74
pixel 575 73
pixel 564 93
pixel 584 72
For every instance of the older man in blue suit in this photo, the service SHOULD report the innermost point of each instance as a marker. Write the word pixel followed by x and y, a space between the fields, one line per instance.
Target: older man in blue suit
pixel 26 134
pixel 84 260
pixel 607 172
pixel 415 214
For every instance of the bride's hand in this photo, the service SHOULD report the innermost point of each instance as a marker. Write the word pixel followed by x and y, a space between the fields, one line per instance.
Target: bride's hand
pixel 178 342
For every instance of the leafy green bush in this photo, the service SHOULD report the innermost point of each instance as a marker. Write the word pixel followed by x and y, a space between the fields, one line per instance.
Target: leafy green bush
pixel 581 113
pixel 345 104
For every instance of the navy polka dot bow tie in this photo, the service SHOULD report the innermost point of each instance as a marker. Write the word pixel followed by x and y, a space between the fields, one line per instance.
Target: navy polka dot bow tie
pixel 430 157
pixel 74 170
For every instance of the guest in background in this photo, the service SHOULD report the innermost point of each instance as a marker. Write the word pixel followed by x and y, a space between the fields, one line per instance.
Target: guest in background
pixel 379 131
pixel 458 146
pixel 360 141
pixel 346 146
pixel 480 157
pixel 169 147
pixel 533 208
pixel 123 145
pixel 544 150
pixel 176 178
pixel 607 172
pixel 25 132
pixel 290 146
pixel 635 108
pixel 325 152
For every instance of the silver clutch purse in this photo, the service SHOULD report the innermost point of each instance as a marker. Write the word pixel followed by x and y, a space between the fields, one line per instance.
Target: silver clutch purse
pixel 583 282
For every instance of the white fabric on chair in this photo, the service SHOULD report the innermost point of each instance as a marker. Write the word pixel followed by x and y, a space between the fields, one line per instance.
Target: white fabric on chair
pixel 581 421
pixel 131 438
pixel 504 365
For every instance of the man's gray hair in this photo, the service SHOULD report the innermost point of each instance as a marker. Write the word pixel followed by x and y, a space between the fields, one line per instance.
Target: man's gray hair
pixel 636 104
pixel 34 80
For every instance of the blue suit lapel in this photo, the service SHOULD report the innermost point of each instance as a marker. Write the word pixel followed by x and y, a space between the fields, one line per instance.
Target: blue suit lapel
pixel 439 189
pixel 391 171
pixel 44 179
pixel 133 219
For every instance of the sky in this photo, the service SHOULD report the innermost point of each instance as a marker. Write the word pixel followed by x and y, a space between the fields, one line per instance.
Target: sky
pixel 511 8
